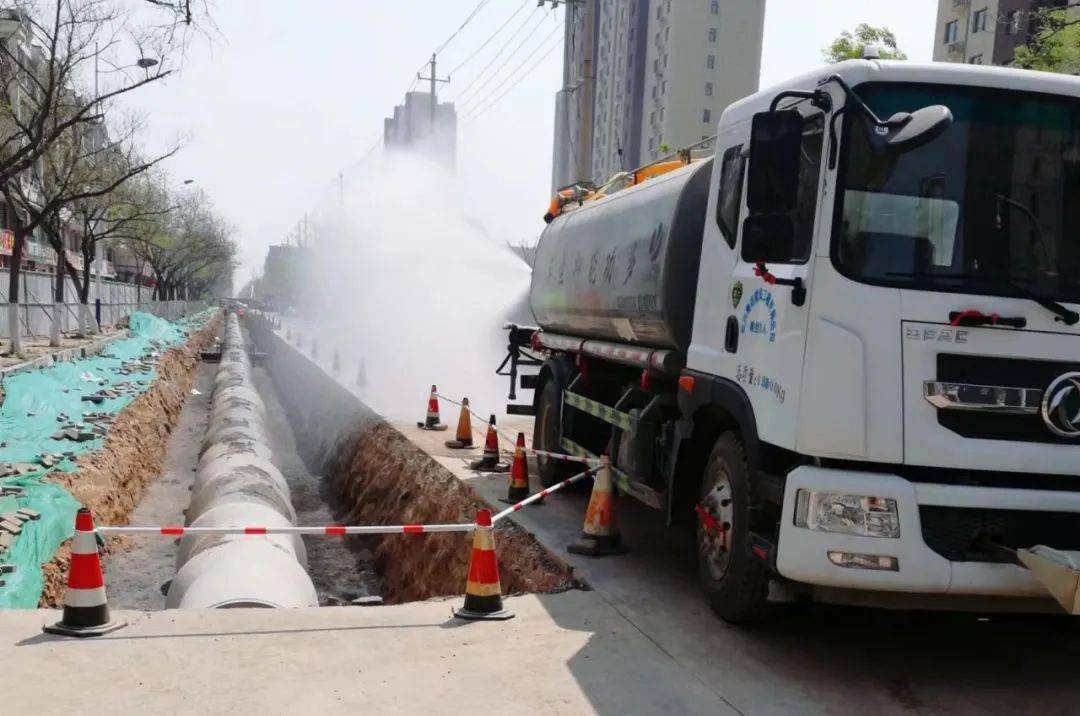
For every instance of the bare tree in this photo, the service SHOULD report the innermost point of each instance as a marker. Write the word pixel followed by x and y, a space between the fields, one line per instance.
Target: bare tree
pixel 119 214
pixel 191 252
pixel 43 61
pixel 84 173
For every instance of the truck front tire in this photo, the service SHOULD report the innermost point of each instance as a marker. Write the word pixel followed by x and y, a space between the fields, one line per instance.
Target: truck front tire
pixel 734 582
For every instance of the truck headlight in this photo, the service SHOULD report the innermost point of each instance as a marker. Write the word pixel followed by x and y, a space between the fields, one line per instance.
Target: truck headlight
pixel 861 515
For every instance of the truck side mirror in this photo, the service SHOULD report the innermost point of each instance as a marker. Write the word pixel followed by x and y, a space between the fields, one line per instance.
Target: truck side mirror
pixel 909 131
pixel 773 175
pixel 769 238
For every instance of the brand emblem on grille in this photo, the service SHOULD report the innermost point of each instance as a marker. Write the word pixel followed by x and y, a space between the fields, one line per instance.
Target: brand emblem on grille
pixel 1061 406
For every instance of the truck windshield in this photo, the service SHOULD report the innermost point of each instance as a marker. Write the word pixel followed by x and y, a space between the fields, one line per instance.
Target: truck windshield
pixel 990 206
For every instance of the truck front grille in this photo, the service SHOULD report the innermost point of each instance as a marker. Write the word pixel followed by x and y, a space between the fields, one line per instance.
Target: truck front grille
pixel 969 535
pixel 1012 372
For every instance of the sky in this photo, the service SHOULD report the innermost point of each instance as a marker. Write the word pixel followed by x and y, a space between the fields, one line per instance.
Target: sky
pixel 284 95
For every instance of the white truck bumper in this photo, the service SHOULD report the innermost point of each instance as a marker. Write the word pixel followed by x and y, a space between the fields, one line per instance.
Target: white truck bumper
pixel 802 553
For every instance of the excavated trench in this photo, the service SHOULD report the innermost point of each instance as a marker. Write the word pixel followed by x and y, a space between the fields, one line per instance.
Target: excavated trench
pixel 343 465
pixel 372 474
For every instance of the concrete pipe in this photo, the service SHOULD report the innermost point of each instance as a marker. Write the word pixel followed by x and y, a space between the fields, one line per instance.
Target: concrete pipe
pixel 244 392
pixel 237 447
pixel 233 401
pixel 242 574
pixel 242 484
pixel 239 514
pixel 236 410
pixel 232 371
pixel 232 430
pixel 262 469
pixel 230 380
pixel 237 485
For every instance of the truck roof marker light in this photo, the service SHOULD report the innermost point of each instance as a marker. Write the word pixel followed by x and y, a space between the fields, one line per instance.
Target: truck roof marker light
pixel 686 382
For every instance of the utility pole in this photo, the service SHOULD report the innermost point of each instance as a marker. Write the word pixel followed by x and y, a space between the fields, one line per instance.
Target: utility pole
pixel 586 95
pixel 434 78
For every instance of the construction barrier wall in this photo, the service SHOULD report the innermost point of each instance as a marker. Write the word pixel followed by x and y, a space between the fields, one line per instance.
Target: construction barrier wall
pixel 118 300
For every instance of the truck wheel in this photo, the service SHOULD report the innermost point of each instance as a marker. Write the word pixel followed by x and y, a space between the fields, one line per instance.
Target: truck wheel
pixel 735 584
pixel 546 433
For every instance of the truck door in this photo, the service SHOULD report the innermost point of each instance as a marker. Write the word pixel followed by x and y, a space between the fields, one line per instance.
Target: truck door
pixel 770 296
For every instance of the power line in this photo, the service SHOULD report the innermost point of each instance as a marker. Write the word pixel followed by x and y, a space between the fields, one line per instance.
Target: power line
pixel 491 37
pixel 540 61
pixel 482 106
pixel 513 72
pixel 459 97
pixel 415 80
pixel 472 14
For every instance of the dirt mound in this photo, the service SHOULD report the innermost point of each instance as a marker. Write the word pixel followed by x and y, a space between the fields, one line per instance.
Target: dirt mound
pixel 380 477
pixel 111 481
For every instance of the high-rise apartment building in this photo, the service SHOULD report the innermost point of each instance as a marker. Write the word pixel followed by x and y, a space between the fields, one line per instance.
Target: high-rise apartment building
pixel 702 56
pixel 417 128
pixel 985 32
pixel 643 78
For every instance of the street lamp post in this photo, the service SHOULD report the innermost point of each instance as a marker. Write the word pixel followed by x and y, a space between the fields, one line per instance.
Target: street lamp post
pixel 99 252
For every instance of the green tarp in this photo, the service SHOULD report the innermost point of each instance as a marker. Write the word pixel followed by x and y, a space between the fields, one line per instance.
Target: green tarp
pixel 33 400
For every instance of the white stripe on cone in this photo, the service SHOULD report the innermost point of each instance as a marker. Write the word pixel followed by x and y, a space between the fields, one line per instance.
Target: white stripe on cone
pixel 84 597
pixel 84 543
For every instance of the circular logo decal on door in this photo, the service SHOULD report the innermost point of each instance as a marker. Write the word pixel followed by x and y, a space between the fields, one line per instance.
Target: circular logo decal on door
pixel 1061 406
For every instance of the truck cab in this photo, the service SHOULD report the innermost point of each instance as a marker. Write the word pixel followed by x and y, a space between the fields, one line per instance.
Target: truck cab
pixel 880 395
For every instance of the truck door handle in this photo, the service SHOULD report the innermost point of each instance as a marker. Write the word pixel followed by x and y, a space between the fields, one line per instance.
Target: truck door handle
pixel 731 335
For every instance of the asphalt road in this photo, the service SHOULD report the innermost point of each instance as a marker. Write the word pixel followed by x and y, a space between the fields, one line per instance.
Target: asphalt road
pixel 813 658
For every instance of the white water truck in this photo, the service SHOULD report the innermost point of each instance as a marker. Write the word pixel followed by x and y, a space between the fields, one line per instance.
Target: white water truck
pixel 846 345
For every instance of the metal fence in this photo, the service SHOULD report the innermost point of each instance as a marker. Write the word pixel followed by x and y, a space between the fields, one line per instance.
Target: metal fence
pixel 118 300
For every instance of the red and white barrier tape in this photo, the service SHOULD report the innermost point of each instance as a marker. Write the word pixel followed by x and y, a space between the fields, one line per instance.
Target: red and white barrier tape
pixel 564 458
pixel 326 531
pixel 477 417
pixel 531 451
pixel 541 495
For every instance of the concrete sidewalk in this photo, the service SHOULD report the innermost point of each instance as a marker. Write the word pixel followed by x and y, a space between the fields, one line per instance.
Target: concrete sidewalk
pixel 569 653
pixel 811 658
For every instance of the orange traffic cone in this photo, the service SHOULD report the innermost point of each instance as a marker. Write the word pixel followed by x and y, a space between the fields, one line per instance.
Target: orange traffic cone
pixel 490 460
pixel 432 422
pixel 483 592
pixel 463 438
pixel 600 536
pixel 519 474
pixel 86 611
